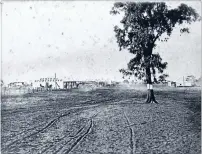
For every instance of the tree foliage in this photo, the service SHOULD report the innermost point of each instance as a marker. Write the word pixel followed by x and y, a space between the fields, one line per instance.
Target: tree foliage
pixel 162 78
pixel 142 25
pixel 2 83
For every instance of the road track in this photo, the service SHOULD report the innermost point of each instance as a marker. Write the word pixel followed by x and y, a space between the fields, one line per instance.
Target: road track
pixel 78 137
pixel 38 129
pixel 63 140
pixel 131 133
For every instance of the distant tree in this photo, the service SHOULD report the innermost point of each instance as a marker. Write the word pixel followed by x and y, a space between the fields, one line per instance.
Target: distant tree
pixel 162 78
pixel 2 83
pixel 142 26
pixel 198 81
pixel 126 81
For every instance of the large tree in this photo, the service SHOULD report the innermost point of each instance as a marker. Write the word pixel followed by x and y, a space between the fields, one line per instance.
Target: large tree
pixel 142 26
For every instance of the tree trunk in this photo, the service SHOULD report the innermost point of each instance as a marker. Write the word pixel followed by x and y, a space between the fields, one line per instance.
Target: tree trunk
pixel 150 91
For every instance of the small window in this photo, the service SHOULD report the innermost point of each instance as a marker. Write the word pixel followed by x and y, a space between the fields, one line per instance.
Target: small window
pixel 50 79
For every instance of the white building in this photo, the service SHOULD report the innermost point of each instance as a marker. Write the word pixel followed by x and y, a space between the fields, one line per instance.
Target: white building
pixel 17 84
pixel 189 81
pixel 185 84
pixel 171 84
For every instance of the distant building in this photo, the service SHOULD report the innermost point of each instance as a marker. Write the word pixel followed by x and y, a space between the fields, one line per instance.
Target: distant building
pixel 185 84
pixel 17 84
pixel 189 81
pixel 102 83
pixel 54 83
pixel 171 84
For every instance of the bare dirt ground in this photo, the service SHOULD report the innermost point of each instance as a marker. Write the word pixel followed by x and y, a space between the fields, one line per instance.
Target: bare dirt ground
pixel 104 121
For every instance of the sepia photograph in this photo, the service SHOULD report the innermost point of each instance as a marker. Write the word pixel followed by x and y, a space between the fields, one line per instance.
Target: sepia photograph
pixel 100 77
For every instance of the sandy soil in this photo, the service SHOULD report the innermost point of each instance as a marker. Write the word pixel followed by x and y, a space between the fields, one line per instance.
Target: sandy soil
pixel 103 121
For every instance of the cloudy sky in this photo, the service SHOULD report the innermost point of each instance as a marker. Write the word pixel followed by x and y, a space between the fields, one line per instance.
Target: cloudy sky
pixel 76 40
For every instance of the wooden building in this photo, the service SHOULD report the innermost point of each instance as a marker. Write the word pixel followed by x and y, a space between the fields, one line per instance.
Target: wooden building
pixel 53 83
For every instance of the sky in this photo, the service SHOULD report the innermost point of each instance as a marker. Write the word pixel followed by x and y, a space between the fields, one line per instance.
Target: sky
pixel 75 40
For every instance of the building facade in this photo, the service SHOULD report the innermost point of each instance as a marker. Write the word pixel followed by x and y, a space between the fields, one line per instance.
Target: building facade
pixel 17 84
pixel 171 84
pixel 53 83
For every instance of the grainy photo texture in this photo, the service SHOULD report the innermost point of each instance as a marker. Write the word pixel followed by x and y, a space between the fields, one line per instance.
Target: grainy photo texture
pixel 105 77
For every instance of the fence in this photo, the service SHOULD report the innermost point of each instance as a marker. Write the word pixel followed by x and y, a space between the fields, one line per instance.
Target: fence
pixel 6 91
pixel 15 91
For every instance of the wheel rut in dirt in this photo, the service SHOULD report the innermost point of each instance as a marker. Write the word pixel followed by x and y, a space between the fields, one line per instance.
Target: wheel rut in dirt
pixel 42 127
pixel 36 131
pixel 131 134
pixel 62 141
pixel 80 138
pixel 72 140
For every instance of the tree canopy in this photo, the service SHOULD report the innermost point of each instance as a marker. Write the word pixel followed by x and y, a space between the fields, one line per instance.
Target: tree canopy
pixel 2 83
pixel 162 78
pixel 142 25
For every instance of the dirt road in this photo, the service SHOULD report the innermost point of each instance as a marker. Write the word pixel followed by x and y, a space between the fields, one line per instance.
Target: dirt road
pixel 103 121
